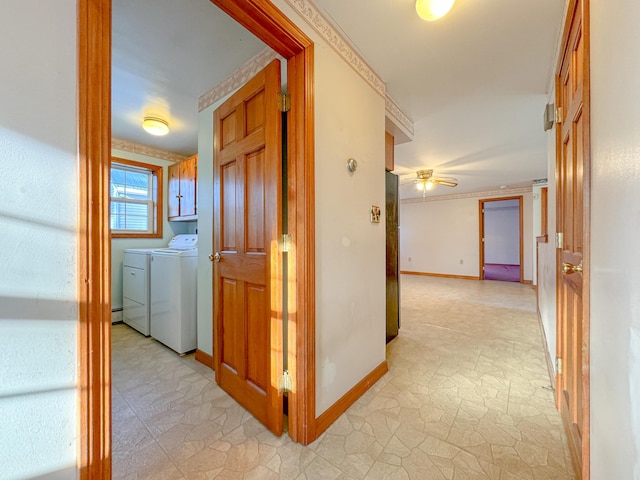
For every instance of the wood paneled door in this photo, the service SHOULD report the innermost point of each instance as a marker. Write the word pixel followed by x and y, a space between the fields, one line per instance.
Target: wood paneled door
pixel 572 173
pixel 247 263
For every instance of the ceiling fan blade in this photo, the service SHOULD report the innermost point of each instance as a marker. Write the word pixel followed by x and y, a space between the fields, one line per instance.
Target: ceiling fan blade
pixel 446 183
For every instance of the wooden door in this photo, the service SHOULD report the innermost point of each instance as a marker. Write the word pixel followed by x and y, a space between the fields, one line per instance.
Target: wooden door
pixel 572 224
pixel 247 219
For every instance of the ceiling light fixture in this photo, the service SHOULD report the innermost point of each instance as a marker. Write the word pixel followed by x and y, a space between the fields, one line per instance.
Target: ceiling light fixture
pixel 155 126
pixel 431 10
pixel 423 185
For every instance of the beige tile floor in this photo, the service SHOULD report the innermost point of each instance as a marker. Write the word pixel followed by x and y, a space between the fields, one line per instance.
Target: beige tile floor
pixel 467 396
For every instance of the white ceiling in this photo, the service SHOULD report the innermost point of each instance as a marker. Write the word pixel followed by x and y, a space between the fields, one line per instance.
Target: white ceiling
pixel 474 83
pixel 165 55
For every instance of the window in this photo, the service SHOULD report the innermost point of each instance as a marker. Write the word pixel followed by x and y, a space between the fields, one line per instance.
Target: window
pixel 135 197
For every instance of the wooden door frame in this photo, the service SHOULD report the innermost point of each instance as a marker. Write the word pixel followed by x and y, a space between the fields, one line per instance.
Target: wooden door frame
pixel 481 203
pixel 585 455
pixel 265 21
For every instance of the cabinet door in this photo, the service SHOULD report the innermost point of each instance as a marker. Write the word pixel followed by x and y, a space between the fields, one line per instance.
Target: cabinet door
pixel 173 195
pixel 188 178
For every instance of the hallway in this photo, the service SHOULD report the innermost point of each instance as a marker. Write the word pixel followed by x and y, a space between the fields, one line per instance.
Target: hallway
pixel 467 397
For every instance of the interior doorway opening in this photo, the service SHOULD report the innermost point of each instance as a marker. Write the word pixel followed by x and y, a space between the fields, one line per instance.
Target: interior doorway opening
pixel 501 249
pixel 94 145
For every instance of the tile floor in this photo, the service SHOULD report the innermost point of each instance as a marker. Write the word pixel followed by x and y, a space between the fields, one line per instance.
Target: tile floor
pixel 467 396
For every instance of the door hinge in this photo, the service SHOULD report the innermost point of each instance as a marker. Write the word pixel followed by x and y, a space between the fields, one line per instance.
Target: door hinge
pixel 285 243
pixel 558 366
pixel 285 384
pixel 559 240
pixel 284 102
pixel 559 115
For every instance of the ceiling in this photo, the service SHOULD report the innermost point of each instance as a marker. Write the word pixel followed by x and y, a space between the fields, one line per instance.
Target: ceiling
pixel 474 83
pixel 165 55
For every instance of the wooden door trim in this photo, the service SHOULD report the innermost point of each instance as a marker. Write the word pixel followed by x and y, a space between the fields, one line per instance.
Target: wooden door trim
pixel 94 241
pixel 265 21
pixel 572 10
pixel 481 203
pixel 94 250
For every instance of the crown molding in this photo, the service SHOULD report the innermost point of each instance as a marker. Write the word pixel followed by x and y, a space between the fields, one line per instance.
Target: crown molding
pixel 140 149
pixel 397 115
pixel 238 78
pixel 310 13
pixel 503 192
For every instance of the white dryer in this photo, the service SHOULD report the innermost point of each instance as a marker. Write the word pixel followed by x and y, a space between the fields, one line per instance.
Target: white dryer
pixel 136 270
pixel 173 293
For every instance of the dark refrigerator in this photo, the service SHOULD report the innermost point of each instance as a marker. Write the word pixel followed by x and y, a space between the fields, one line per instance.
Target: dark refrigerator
pixel 393 256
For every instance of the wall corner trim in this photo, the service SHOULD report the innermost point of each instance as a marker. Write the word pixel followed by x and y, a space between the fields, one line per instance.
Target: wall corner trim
pixel 140 149
pixel 334 411
pixel 205 359
pixel 312 15
pixel 238 78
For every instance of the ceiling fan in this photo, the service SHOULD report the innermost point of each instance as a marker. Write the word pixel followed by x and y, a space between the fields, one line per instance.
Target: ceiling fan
pixel 426 181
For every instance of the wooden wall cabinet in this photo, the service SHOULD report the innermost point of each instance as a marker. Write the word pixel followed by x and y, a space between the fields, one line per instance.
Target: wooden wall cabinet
pixel 389 146
pixel 181 198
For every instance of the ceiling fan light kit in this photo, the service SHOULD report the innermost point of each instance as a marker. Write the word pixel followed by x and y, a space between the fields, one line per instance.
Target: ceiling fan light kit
pixel 155 126
pixel 426 181
pixel 431 10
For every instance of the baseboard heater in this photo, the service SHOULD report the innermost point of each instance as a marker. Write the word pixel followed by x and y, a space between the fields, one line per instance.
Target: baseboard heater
pixel 116 316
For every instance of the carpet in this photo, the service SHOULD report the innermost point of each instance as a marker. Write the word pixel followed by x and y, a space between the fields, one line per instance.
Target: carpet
pixel 504 273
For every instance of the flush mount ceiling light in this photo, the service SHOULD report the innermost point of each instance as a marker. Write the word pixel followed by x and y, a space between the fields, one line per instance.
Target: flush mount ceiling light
pixel 431 10
pixel 155 126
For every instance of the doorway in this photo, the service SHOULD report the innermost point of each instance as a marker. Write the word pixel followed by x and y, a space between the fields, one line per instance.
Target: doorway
pixel 501 249
pixel 94 152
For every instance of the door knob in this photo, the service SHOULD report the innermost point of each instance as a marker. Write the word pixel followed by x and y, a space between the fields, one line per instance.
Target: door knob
pixel 215 257
pixel 569 268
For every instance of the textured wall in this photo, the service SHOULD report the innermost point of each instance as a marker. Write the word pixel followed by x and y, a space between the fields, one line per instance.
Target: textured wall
pixel 38 215
pixel 615 229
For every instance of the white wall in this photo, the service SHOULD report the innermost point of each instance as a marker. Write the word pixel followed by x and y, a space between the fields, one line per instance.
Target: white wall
pixel 38 216
pixel 169 229
pixel 536 225
pixel 615 230
pixel 436 235
pixel 546 276
pixel 205 229
pixel 502 232
pixel 350 251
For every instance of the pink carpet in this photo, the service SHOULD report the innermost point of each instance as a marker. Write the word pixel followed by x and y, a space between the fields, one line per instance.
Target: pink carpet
pixel 504 273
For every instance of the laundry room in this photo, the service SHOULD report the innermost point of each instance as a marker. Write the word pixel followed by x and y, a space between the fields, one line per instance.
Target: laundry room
pixel 154 245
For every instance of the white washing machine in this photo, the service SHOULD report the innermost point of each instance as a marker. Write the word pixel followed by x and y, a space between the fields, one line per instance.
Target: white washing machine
pixel 173 293
pixel 136 288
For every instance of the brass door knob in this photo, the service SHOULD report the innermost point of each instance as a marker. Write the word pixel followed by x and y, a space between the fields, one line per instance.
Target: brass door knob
pixel 569 268
pixel 215 257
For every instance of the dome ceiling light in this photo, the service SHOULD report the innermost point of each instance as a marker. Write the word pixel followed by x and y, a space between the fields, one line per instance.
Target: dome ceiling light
pixel 431 10
pixel 155 126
